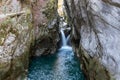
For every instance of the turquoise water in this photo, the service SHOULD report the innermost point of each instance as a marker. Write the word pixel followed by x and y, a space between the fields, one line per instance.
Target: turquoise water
pixel 63 65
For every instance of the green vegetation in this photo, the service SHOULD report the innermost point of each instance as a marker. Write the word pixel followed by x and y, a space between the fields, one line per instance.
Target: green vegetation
pixel 5 26
pixel 11 25
pixel 50 9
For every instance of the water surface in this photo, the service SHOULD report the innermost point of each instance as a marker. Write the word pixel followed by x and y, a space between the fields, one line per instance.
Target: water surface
pixel 63 65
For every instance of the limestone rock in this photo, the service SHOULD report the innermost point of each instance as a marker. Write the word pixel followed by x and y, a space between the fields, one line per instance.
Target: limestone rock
pixel 16 36
pixel 46 21
pixel 22 23
pixel 95 36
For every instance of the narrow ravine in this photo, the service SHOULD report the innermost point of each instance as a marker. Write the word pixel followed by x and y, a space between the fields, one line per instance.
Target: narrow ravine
pixel 63 65
pixel 59 39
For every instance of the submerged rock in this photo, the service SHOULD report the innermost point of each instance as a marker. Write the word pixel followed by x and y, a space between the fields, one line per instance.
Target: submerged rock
pixel 95 36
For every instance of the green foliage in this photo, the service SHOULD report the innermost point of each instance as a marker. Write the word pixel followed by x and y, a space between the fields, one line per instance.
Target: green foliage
pixel 4 26
pixel 50 9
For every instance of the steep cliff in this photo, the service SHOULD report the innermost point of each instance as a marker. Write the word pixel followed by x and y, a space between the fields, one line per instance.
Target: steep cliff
pixel 95 36
pixel 16 36
pixel 22 23
pixel 45 21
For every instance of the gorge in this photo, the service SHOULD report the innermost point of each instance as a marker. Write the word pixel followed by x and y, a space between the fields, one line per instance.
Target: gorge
pixel 63 65
pixel 34 46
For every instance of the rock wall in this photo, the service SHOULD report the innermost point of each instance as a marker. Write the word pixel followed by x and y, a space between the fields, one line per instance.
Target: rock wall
pixel 25 23
pixel 16 36
pixel 45 21
pixel 95 36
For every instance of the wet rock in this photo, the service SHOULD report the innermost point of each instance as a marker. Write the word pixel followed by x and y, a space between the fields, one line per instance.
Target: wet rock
pixel 95 36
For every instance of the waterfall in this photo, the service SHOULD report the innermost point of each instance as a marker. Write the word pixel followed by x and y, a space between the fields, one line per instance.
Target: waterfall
pixel 65 40
pixel 68 37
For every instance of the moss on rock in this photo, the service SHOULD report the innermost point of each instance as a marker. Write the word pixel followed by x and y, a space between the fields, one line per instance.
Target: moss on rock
pixel 50 9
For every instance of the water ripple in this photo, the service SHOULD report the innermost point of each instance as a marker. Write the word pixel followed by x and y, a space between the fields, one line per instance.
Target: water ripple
pixel 61 66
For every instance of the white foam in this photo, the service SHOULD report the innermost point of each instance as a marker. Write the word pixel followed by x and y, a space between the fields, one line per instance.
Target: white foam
pixel 66 48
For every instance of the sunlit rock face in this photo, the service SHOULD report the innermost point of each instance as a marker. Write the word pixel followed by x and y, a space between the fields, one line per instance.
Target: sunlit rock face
pixel 60 8
pixel 16 36
pixel 45 21
pixel 96 36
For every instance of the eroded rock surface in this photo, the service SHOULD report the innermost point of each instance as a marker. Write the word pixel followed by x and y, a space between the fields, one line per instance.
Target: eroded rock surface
pixel 95 36
pixel 16 36
pixel 45 19
pixel 22 23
